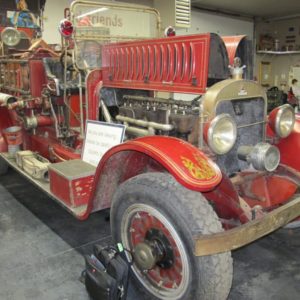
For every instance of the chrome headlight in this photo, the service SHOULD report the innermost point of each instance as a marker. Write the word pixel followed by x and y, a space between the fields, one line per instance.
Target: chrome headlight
pixel 221 134
pixel 262 156
pixel 265 157
pixel 282 120
pixel 10 36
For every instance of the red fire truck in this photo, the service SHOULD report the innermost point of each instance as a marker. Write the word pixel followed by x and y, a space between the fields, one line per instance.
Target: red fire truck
pixel 195 177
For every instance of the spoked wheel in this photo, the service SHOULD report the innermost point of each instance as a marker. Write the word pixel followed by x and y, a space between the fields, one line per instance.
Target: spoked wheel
pixel 155 218
pixel 161 262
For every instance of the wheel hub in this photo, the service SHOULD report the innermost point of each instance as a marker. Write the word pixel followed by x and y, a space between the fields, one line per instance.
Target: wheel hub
pixel 159 257
pixel 155 250
pixel 144 256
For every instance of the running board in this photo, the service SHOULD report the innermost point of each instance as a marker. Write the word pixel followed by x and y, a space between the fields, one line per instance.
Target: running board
pixel 44 186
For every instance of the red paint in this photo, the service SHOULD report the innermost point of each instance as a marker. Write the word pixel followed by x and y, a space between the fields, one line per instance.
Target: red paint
pixel 37 77
pixel 289 146
pixel 73 192
pixel 74 112
pixel 141 223
pixel 66 28
pixel 111 175
pixel 174 64
pixel 271 189
pixel 60 187
pixel 158 155
pixel 266 191
pixel 93 86
pixel 225 200
pixel 272 120
pixel 44 121
pixel 150 64
pixel 162 150
pixel 47 145
pixel 65 152
pixel 5 123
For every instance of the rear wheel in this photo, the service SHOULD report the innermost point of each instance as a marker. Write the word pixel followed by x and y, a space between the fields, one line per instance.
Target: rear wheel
pixel 156 218
pixel 3 167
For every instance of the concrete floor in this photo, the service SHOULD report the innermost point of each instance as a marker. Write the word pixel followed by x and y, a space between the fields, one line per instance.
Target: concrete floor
pixel 42 248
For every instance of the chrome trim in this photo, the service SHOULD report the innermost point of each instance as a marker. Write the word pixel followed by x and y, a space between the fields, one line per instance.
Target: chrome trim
pixel 251 124
pixel 281 110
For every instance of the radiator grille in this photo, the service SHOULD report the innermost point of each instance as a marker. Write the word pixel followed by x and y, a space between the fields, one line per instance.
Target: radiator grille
pixel 244 112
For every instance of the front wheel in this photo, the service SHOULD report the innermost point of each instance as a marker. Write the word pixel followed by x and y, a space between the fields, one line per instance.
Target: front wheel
pixel 155 218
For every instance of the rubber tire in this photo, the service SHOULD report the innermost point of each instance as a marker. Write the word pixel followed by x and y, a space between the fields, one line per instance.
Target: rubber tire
pixel 190 213
pixel 3 167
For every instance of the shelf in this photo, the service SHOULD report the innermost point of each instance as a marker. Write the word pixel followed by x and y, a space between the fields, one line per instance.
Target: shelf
pixel 278 52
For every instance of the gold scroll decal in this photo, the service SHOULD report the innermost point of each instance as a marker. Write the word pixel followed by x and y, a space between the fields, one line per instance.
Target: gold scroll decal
pixel 199 169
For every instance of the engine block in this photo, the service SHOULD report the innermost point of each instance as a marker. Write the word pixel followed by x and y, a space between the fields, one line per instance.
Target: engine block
pixel 160 116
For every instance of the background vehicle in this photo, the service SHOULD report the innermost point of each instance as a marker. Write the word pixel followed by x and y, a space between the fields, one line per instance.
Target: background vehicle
pixel 19 26
pixel 195 178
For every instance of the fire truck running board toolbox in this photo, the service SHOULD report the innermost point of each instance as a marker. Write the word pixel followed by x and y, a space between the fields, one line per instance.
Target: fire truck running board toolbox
pixel 72 181
pixel 45 186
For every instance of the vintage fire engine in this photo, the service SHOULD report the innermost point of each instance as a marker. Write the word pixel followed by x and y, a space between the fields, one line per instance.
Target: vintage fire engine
pixel 195 177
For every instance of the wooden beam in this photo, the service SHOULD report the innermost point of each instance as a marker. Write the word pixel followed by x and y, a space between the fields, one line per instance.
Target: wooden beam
pixel 247 233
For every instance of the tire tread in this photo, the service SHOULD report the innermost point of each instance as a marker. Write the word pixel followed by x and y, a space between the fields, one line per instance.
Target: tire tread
pixel 199 217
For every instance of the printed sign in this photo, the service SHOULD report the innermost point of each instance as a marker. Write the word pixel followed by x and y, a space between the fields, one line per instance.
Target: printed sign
pixel 99 138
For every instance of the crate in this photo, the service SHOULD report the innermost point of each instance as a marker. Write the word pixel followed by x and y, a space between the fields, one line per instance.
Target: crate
pixel 72 181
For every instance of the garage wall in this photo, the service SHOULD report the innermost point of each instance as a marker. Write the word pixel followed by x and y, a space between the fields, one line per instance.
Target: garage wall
pixel 287 32
pixel 201 21
pixel 54 13
pixel 220 24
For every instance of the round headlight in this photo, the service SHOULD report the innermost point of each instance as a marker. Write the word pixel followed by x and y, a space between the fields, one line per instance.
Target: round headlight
pixel 282 120
pixel 221 135
pixel 10 36
pixel 265 157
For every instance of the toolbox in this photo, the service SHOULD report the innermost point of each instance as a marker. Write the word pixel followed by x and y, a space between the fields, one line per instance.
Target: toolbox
pixel 72 181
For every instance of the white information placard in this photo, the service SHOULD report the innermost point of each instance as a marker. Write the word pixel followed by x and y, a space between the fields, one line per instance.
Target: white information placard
pixel 99 138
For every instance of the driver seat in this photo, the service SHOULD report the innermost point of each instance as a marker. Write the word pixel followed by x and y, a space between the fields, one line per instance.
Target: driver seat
pixel 55 76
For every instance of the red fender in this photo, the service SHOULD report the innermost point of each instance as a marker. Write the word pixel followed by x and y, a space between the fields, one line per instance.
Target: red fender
pixel 289 147
pixel 226 203
pixel 190 166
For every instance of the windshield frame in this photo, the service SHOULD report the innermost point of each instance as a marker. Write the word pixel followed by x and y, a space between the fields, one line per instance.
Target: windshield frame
pixel 102 36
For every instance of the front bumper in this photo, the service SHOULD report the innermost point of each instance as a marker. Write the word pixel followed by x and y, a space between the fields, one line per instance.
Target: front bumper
pixel 242 235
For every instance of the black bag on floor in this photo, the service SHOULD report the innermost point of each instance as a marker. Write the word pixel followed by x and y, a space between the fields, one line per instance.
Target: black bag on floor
pixel 106 274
